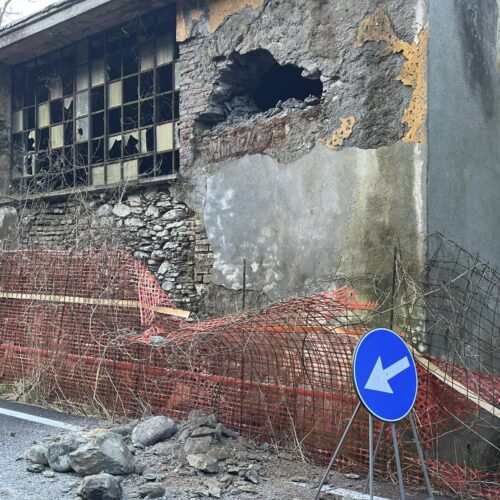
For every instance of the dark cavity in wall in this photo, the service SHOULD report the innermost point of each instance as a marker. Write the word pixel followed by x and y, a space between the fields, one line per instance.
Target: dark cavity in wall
pixel 253 83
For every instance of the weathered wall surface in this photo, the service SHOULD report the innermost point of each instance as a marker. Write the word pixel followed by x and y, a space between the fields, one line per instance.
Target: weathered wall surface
pixel 464 129
pixel 307 188
pixel 327 210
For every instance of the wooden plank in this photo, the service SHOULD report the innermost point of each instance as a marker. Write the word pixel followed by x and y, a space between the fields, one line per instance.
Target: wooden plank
pixel 92 301
pixel 455 384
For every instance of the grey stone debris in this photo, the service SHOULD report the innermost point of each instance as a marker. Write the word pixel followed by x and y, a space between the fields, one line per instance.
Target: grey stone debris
pixel 58 453
pixel 154 430
pixel 35 468
pixel 38 454
pixel 203 463
pixel 101 487
pixel 151 490
pixel 105 453
pixel 124 429
pixel 196 446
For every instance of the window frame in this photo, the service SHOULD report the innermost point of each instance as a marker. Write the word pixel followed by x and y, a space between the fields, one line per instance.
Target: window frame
pixel 81 166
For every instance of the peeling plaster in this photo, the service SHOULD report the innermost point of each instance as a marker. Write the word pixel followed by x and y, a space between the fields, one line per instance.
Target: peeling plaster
pixel 378 28
pixel 341 134
pixel 216 12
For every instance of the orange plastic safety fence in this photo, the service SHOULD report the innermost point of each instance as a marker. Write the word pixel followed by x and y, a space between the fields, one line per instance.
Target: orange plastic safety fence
pixel 281 374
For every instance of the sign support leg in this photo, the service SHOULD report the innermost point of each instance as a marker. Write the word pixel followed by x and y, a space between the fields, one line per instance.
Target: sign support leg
pixel 339 446
pixel 421 457
pixel 398 461
pixel 377 446
pixel 372 458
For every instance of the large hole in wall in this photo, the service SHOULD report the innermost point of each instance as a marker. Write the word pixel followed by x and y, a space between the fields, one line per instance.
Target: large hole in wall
pixel 254 83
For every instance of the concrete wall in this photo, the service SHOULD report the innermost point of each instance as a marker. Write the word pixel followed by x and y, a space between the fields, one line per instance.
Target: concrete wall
pixel 304 192
pixel 464 128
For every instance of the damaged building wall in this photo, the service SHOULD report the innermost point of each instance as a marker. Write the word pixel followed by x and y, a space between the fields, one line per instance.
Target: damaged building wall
pixel 302 119
pixel 464 127
pixel 314 185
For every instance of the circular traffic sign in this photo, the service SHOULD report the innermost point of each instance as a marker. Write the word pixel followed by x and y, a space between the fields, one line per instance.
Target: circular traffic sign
pixel 385 375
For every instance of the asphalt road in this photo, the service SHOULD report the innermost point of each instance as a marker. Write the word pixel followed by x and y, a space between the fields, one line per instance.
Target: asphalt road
pixel 16 437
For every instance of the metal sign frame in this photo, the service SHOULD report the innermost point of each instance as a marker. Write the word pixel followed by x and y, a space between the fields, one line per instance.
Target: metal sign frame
pixel 373 453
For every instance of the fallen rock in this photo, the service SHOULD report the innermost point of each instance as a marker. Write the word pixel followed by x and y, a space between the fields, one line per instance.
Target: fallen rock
pixel 106 453
pixel 38 454
pixel 124 429
pixel 252 476
pixel 35 468
pixel 58 453
pixel 198 418
pixel 151 490
pixel 203 463
pixel 101 487
pixel 153 430
pixel 197 446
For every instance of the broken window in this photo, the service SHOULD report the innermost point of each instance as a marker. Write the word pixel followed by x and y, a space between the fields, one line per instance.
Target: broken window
pixel 99 111
pixel 254 83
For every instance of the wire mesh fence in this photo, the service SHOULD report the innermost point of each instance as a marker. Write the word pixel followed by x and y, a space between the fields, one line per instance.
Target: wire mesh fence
pixel 84 329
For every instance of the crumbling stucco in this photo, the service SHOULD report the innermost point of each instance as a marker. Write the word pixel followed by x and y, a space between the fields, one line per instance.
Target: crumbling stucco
pixel 378 28
pixel 342 133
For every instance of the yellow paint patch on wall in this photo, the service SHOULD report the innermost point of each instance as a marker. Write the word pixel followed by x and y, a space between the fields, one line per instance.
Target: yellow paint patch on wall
pixel 215 11
pixel 341 134
pixel 378 28
pixel 219 10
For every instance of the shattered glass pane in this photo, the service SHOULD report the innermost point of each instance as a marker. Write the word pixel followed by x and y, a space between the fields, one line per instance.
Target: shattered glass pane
pixel 114 147
pixel 147 140
pixel 82 130
pixel 131 143
pixel 68 108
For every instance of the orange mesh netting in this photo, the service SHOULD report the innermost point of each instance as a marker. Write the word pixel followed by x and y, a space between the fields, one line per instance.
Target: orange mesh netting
pixel 83 327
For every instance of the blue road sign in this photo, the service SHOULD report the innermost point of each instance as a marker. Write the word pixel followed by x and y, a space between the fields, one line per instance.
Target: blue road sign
pixel 385 376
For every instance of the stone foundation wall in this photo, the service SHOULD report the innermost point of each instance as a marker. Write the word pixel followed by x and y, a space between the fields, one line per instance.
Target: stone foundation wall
pixel 158 229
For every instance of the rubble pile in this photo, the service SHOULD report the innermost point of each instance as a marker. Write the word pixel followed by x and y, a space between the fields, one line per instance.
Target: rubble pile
pixel 160 458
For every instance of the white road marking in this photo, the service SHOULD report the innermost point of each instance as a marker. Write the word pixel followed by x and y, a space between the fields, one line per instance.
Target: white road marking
pixel 39 420
pixel 348 494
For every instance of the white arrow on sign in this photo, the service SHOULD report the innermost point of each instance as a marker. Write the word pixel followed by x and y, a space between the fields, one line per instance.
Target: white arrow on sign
pixel 379 378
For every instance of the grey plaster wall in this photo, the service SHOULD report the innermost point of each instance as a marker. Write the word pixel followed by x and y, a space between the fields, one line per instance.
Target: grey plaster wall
pixel 464 132
pixel 328 212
